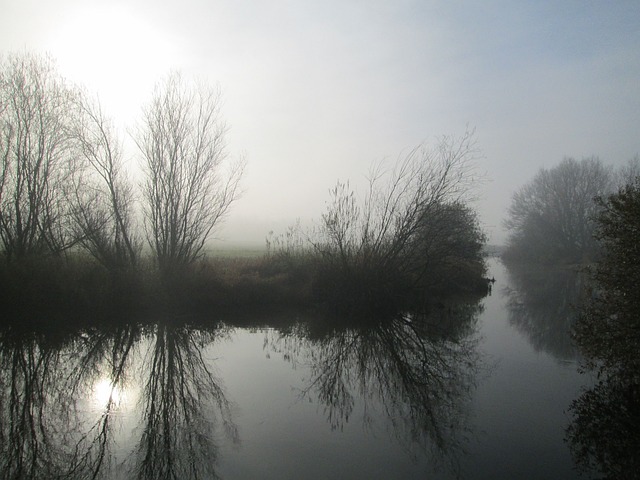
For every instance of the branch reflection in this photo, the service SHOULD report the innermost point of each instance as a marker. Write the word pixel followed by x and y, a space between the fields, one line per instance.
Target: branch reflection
pixel 414 371
pixel 107 355
pixel 61 397
pixel 31 445
pixel 180 404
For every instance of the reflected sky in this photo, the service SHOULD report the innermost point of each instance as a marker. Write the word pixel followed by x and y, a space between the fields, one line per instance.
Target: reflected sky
pixel 522 407
pixel 124 402
pixel 463 392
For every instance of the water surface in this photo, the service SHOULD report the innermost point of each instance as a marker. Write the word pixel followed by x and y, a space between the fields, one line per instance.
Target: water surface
pixel 474 390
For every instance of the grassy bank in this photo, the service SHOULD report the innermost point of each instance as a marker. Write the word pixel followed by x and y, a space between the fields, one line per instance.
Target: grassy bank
pixel 76 290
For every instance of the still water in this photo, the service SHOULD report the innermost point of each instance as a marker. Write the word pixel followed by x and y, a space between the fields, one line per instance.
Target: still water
pixel 478 390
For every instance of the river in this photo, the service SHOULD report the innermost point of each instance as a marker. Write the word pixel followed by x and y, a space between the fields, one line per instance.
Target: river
pixel 476 390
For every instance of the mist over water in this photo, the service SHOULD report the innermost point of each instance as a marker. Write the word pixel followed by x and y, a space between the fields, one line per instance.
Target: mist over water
pixel 246 240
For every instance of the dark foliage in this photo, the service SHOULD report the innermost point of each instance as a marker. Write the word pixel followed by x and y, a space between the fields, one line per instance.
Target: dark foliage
pixel 66 291
pixel 443 257
pixel 448 257
pixel 413 236
pixel 609 329
pixel 604 433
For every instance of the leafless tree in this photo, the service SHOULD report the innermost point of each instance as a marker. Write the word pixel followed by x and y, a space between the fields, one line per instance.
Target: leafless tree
pixel 381 241
pixel 185 192
pixel 396 202
pixel 34 147
pixel 551 218
pixel 101 194
pixel 628 173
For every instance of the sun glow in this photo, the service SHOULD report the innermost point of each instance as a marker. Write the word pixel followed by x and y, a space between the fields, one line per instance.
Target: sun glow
pixel 113 51
pixel 105 393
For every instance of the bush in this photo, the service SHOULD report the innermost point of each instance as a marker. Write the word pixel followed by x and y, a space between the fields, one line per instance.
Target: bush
pixel 412 236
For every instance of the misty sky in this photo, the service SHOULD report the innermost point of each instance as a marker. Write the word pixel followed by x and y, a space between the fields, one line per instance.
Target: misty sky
pixel 315 91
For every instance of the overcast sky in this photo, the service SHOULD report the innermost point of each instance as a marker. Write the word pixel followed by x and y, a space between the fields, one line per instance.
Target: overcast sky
pixel 315 91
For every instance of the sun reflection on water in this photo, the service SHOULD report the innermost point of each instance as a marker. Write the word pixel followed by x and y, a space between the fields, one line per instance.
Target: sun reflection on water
pixel 105 393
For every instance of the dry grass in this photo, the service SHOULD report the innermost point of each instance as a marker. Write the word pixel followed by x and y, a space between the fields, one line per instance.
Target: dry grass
pixel 221 288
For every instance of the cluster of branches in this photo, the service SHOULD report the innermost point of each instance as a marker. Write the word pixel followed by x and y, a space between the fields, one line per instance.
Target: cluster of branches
pixel 413 225
pixel 34 146
pixel 182 142
pixel 63 181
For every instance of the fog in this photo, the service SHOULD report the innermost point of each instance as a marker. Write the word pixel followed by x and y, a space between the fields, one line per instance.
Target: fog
pixel 317 91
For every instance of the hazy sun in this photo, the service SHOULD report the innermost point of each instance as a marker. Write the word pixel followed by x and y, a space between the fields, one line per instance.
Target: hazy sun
pixel 104 392
pixel 113 51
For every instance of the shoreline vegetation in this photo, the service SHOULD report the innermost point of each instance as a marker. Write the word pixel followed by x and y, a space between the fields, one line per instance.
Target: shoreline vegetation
pixel 81 241
pixel 77 292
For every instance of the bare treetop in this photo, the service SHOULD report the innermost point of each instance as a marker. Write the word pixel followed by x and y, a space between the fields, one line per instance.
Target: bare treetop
pixel 34 147
pixel 182 141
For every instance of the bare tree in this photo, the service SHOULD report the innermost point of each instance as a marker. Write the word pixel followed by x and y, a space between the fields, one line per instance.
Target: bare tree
pixel 185 193
pixel 628 173
pixel 101 195
pixel 397 203
pixel 551 218
pixel 34 111
pixel 377 249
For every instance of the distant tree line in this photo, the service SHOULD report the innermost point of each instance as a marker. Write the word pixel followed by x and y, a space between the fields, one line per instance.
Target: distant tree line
pixel 552 219
pixel 63 181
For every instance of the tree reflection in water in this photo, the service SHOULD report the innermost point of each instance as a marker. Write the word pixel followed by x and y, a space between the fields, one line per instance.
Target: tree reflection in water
pixel 176 440
pixel 30 446
pixel 416 372
pixel 542 304
pixel 46 430
pixel 106 353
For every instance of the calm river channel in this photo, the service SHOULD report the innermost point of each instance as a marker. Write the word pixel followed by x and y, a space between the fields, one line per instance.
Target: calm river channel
pixel 478 391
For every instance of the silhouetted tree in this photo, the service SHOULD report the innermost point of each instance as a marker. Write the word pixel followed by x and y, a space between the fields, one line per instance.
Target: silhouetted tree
pixel 101 195
pixel 34 147
pixel 377 250
pixel 185 193
pixel 448 250
pixel 551 218
pixel 604 434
